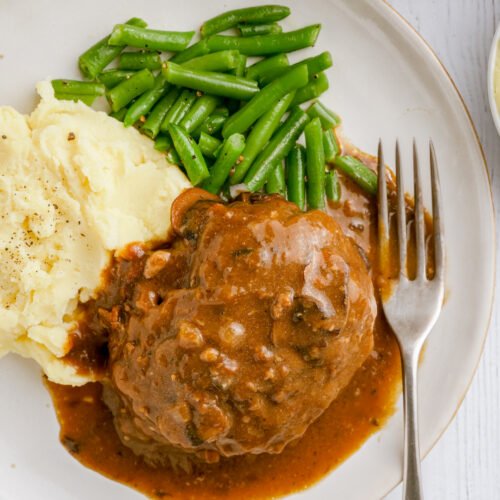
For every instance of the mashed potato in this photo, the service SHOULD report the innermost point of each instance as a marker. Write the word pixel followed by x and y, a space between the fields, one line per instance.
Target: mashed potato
pixel 74 185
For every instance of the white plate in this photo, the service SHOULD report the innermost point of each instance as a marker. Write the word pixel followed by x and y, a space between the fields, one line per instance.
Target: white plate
pixel 385 83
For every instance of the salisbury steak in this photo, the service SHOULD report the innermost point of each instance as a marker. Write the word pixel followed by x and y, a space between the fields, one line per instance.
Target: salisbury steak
pixel 238 335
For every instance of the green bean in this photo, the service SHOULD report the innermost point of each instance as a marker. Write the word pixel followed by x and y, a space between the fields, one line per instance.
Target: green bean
pixel 332 186
pixel 358 172
pixel 211 125
pixel 85 98
pixel 276 181
pixel 124 34
pixel 225 192
pixel 268 68
pixel 119 115
pixel 211 82
pixel 173 157
pixel 124 92
pixel 197 49
pixel 179 109
pixel 216 61
pixel 151 127
pixel 313 89
pixel 222 110
pixel 259 29
pixel 315 166
pixel 112 77
pixel 231 150
pixel 163 143
pixel 256 15
pixel 330 145
pixel 261 102
pixel 208 145
pixel 76 87
pixel 260 134
pixel 295 174
pixel 146 101
pixel 201 110
pixel 241 66
pixel 189 153
pixel 277 148
pixel 139 60
pixel 95 59
pixel 328 118
pixel 315 65
pixel 266 44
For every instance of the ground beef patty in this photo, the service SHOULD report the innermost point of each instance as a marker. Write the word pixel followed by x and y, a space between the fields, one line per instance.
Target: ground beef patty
pixel 236 336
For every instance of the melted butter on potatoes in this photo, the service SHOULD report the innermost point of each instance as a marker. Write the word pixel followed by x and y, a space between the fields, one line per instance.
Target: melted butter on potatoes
pixel 74 185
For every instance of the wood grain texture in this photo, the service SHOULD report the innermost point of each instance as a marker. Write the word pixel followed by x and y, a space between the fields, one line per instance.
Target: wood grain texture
pixel 465 464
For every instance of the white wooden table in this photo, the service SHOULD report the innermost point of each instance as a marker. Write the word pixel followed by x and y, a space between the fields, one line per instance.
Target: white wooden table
pixel 465 464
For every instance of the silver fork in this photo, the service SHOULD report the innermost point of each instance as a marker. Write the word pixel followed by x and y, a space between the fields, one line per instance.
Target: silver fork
pixel 413 306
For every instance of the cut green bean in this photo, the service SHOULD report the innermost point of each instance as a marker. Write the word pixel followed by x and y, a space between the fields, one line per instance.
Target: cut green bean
pixel 95 59
pixel 76 87
pixel 196 50
pixel 278 147
pixel 139 60
pixel 208 145
pixel 295 175
pixel 151 127
pixel 330 145
pixel 255 15
pixel 231 150
pixel 312 90
pixel 179 109
pixel 315 65
pixel 85 98
pixel 358 172
pixel 217 61
pixel 146 101
pixel 143 38
pixel 119 115
pixel 261 102
pixel 221 111
pixel 260 134
pixel 315 166
pixel 124 92
pixel 211 125
pixel 332 186
pixel 200 111
pixel 276 181
pixel 211 82
pixel 189 153
pixel 173 157
pixel 268 68
pixel 328 118
pixel 112 77
pixel 163 143
pixel 241 66
pixel 267 44
pixel 259 29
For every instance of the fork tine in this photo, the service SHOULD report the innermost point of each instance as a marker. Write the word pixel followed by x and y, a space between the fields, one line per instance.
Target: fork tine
pixel 436 215
pixel 383 217
pixel 419 216
pixel 401 213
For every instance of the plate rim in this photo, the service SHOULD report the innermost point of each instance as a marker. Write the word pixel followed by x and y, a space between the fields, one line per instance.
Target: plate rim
pixel 391 11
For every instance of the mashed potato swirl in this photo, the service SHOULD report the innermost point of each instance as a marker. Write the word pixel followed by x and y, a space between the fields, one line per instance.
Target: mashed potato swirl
pixel 74 186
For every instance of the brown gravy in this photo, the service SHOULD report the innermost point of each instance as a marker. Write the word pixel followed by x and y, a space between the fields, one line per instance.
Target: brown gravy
pixel 88 433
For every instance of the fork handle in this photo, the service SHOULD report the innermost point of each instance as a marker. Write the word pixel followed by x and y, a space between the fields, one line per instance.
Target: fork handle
pixel 412 484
